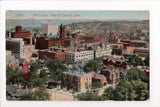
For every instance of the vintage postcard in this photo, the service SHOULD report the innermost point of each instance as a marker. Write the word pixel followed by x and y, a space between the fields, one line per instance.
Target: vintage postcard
pixel 77 55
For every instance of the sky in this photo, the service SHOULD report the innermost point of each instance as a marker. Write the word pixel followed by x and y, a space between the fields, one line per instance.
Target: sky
pixel 136 15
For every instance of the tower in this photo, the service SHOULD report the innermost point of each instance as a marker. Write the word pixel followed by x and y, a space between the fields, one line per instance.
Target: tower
pixel 62 35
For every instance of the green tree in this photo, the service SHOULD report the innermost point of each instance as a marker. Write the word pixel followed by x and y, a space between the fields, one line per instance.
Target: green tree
pixel 136 74
pixel 146 61
pixel 36 95
pixel 131 90
pixel 34 66
pixel 96 85
pixel 13 76
pixel 93 65
pixel 56 67
pixel 108 94
pixel 135 61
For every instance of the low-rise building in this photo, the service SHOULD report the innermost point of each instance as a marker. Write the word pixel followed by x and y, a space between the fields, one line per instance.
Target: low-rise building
pixel 51 54
pixel 100 49
pixel 77 80
pixel 142 52
pixel 79 55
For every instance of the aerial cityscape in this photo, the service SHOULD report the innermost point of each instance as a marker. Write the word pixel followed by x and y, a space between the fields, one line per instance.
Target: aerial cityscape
pixel 77 55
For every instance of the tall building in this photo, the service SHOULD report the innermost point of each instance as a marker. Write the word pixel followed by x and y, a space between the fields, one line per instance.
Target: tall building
pixel 16 45
pixel 49 27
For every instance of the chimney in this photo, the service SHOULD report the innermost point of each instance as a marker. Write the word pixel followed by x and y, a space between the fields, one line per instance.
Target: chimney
pixel 75 47
pixel 31 40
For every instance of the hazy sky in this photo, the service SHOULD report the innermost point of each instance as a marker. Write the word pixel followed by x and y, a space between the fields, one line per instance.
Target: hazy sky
pixel 77 14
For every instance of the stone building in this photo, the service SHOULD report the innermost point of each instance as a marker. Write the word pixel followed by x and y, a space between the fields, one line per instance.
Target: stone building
pixel 100 49
pixel 79 55
pixel 77 80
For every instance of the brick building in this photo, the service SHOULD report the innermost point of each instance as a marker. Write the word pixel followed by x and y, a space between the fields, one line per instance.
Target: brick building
pixel 112 75
pixel 51 54
pixel 19 33
pixel 112 62
pixel 77 80
pixel 44 42
pixel 25 67
pixel 141 52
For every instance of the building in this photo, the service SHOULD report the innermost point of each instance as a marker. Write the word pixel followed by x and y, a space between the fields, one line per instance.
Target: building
pixel 11 61
pixel 49 27
pixel 141 52
pixel 44 42
pixel 79 55
pixel 51 54
pixel 96 77
pixel 77 80
pixel 100 49
pixel 19 33
pixel 117 49
pixel 25 67
pixel 112 75
pixel 16 45
pixel 112 62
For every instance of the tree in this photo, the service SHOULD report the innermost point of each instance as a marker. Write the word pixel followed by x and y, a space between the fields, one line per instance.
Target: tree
pixel 131 90
pixel 56 67
pixel 96 85
pixel 146 61
pixel 36 95
pixel 14 76
pixel 136 74
pixel 93 65
pixel 34 66
pixel 108 94
pixel 135 61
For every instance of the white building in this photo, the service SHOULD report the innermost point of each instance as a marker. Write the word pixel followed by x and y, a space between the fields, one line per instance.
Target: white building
pixel 79 55
pixel 100 49
pixel 16 45
pixel 49 27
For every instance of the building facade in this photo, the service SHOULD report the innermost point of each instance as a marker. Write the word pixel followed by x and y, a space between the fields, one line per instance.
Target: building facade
pixel 49 27
pixel 51 54
pixel 100 49
pixel 77 80
pixel 16 45
pixel 79 55
pixel 19 33
pixel 44 42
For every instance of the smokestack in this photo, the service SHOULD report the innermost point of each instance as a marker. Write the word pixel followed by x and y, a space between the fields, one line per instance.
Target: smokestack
pixel 75 47
pixel 31 40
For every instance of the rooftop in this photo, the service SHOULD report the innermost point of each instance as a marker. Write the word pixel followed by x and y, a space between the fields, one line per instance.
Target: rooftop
pixel 75 71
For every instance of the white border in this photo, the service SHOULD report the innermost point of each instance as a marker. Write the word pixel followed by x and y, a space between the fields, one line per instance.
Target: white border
pixel 152 6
